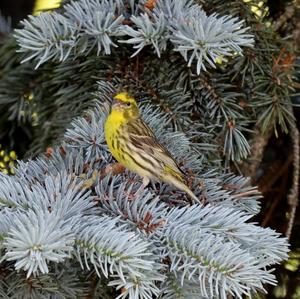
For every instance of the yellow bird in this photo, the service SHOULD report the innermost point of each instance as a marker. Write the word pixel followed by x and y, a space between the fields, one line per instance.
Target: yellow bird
pixel 134 145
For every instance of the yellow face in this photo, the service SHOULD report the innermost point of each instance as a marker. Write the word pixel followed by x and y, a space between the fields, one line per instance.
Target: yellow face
pixel 126 105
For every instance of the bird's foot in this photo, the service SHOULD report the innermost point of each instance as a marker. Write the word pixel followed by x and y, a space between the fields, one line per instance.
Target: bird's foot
pixel 146 182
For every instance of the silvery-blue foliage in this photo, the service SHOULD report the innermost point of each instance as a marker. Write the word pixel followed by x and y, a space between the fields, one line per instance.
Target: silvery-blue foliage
pixel 95 23
pixel 46 37
pixel 37 238
pixel 224 264
pixel 206 38
pixel 148 32
pixel 67 209
pixel 87 24
pixel 64 284
pixel 179 30
pixel 173 288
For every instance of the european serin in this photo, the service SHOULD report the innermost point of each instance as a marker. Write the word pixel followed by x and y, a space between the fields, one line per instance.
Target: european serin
pixel 134 145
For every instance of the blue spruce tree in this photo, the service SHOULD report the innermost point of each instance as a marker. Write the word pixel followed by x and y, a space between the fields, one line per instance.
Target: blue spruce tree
pixel 73 223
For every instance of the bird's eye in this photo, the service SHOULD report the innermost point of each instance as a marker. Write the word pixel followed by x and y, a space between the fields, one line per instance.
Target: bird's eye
pixel 128 104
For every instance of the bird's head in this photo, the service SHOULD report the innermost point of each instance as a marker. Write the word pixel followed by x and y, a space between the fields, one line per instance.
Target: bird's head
pixel 125 105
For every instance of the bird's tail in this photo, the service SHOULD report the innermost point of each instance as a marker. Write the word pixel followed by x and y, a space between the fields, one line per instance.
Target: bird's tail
pixel 176 179
pixel 187 190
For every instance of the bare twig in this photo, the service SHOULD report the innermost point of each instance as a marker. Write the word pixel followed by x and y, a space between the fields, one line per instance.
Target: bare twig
pixel 288 14
pixel 258 144
pixel 294 191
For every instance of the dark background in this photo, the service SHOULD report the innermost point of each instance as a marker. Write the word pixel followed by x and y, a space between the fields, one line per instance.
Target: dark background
pixel 16 9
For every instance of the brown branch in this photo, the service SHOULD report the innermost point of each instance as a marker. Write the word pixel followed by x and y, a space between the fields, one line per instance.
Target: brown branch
pixel 246 193
pixel 258 144
pixel 294 191
pixel 288 14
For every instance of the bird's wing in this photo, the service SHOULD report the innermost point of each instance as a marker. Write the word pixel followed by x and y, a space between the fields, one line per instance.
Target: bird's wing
pixel 144 139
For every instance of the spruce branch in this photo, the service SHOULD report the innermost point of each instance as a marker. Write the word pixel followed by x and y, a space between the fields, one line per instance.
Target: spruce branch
pixel 222 104
pixel 94 229
pixel 243 194
pixel 173 289
pixel 85 25
pixel 36 239
pixel 206 261
pixel 208 37
pixel 62 282
pixel 88 134
pixel 137 207
pixel 230 224
pixel 174 10
pixel 229 191
pixel 114 251
pixel 46 36
pixel 276 111
pixel 147 32
pixel 121 249
pixel 13 194
pixel 96 23
pixel 236 146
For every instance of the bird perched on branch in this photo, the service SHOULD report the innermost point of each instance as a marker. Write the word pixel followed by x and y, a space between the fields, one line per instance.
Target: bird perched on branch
pixel 134 145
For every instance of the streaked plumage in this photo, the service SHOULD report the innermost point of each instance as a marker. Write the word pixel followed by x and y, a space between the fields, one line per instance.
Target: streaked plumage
pixel 134 145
